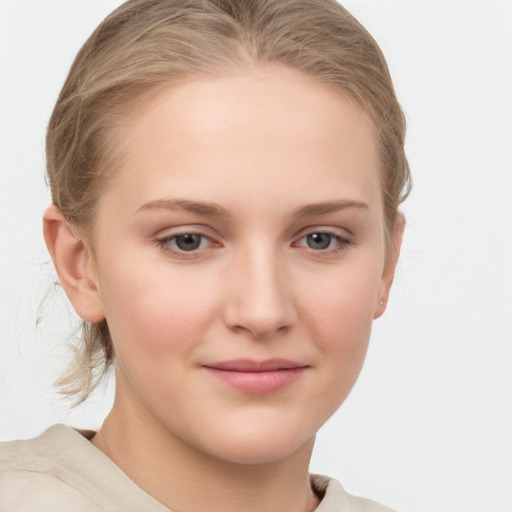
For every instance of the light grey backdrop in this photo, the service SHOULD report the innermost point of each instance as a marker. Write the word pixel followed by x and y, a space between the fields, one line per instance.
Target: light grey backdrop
pixel 428 427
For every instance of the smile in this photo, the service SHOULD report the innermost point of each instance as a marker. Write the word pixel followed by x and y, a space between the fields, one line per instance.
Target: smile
pixel 257 377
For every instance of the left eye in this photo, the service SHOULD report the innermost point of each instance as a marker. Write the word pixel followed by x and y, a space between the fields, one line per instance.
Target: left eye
pixel 321 241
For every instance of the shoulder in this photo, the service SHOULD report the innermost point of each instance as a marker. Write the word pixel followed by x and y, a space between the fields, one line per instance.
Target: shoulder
pixel 336 499
pixel 33 474
pixel 60 470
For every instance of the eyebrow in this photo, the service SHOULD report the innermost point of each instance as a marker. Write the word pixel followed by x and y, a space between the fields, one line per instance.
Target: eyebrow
pixel 311 210
pixel 214 209
pixel 198 207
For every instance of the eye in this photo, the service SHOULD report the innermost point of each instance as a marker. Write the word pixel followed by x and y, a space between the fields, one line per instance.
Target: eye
pixel 320 241
pixel 324 241
pixel 188 242
pixel 185 244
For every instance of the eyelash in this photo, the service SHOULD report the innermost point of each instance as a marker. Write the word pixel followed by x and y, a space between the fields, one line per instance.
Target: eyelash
pixel 167 244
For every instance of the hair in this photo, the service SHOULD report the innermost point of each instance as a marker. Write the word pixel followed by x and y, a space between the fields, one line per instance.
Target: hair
pixel 147 45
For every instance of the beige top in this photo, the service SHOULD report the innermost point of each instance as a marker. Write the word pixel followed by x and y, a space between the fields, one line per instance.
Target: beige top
pixel 61 471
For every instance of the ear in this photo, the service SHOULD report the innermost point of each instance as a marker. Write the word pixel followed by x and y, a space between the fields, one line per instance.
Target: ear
pixel 74 263
pixel 389 268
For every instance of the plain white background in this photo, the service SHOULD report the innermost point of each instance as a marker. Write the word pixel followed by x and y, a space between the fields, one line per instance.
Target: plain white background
pixel 428 427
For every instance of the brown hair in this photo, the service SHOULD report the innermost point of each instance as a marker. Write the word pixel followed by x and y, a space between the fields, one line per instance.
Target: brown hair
pixel 145 45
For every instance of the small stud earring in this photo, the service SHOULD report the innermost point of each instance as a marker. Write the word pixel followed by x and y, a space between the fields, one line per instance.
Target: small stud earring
pixel 381 303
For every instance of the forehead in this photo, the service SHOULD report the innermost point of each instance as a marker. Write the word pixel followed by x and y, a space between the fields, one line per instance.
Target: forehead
pixel 266 131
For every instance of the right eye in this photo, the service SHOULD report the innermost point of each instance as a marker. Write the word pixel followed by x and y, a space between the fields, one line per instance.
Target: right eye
pixel 188 242
pixel 185 244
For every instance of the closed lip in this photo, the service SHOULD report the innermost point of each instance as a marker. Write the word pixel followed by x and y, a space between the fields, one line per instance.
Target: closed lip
pixel 252 366
pixel 257 377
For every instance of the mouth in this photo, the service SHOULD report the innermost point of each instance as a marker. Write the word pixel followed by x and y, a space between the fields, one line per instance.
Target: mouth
pixel 257 377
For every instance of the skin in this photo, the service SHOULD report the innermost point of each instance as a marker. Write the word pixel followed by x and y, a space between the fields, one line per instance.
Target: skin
pixel 281 157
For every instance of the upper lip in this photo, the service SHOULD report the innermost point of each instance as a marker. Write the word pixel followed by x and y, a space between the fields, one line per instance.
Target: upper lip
pixel 248 365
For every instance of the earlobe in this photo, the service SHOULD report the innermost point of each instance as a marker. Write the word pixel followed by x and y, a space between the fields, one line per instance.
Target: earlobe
pixel 389 268
pixel 74 264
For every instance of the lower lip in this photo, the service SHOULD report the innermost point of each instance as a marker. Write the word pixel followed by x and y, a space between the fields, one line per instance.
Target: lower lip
pixel 259 383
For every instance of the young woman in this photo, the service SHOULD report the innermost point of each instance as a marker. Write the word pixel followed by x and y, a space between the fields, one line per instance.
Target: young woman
pixel 225 177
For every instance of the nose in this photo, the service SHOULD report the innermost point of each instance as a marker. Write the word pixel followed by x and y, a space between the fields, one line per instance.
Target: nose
pixel 260 295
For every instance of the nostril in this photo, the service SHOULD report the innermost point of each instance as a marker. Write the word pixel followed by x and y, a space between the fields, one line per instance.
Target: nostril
pixel 258 324
pixel 261 332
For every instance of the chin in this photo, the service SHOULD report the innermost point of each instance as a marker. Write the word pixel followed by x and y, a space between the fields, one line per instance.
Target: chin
pixel 260 448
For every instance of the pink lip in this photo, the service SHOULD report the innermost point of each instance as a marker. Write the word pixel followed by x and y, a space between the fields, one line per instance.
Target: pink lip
pixel 258 377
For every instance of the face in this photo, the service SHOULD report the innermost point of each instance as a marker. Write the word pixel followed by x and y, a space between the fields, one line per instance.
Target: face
pixel 239 260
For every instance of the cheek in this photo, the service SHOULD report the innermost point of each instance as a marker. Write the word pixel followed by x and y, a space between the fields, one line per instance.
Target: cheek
pixel 157 320
pixel 339 318
pixel 343 335
pixel 152 314
pixel 343 302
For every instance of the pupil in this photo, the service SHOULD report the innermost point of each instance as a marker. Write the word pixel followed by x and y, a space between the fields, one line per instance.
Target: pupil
pixel 188 242
pixel 319 240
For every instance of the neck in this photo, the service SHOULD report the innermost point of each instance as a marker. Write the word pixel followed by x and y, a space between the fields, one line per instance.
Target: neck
pixel 185 479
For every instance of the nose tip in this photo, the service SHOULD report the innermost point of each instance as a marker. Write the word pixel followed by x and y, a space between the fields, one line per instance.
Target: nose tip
pixel 260 302
pixel 262 324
